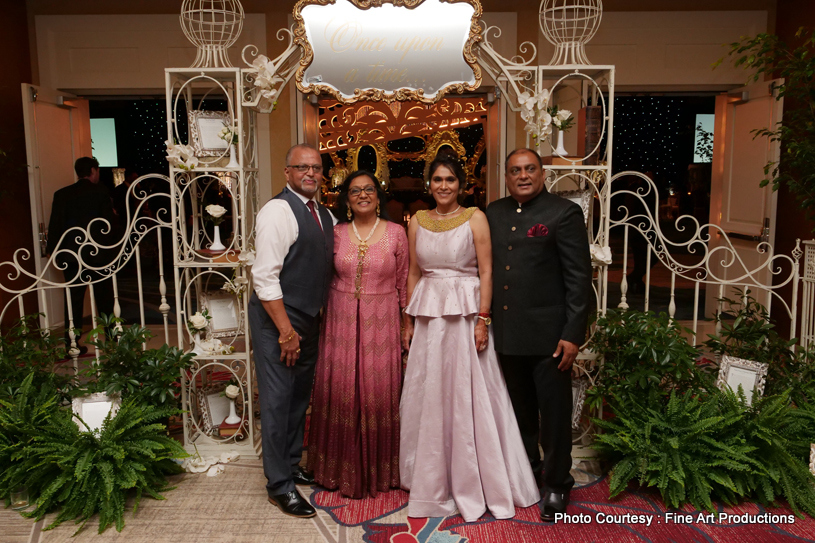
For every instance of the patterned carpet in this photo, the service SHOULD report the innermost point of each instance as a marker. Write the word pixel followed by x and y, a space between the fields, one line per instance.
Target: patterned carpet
pixel 636 516
pixel 232 508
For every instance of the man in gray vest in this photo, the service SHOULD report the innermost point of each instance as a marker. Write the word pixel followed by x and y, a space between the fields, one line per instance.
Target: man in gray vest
pixel 540 300
pixel 293 265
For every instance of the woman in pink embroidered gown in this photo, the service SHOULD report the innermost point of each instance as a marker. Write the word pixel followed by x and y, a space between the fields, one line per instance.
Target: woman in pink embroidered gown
pixel 460 444
pixel 354 428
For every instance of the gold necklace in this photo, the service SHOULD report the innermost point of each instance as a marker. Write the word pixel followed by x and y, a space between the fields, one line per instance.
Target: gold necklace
pixel 363 249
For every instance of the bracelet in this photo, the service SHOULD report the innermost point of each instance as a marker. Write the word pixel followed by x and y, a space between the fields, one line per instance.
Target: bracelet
pixel 291 336
pixel 484 315
pixel 486 318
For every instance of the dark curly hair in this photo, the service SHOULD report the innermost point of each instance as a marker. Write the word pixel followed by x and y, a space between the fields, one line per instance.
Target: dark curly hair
pixel 342 201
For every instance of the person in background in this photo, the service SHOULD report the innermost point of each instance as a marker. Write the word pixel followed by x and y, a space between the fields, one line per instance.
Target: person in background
pixel 83 209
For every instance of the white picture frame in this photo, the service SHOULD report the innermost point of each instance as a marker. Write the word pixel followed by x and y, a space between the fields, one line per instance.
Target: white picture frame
pixel 205 129
pixel 751 375
pixel 579 388
pixel 224 309
pixel 213 408
pixel 93 409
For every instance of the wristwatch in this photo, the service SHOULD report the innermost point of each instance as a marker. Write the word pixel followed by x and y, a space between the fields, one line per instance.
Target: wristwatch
pixel 486 318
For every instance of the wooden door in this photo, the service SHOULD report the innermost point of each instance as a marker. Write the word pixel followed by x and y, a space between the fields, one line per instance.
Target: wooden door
pixel 57 132
pixel 743 209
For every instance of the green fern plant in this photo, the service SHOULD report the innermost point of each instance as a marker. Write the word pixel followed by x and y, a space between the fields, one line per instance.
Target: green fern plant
pixel 781 435
pixel 700 448
pixel 23 416
pixel 82 473
pixel 677 448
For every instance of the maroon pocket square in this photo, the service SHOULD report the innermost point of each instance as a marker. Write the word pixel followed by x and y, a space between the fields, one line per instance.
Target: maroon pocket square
pixel 537 231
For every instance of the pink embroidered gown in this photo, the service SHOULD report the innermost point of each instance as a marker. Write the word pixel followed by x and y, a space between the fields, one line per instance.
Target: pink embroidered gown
pixel 460 444
pixel 354 429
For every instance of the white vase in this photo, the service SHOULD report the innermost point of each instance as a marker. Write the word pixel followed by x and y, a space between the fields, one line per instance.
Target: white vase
pixel 196 348
pixel 216 240
pixel 233 162
pixel 560 149
pixel 233 417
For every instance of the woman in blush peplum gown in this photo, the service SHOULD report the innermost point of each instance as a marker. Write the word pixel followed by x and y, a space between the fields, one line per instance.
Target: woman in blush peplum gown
pixel 354 429
pixel 460 447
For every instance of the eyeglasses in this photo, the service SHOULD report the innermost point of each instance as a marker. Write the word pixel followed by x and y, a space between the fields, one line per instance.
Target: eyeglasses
pixel 530 169
pixel 303 168
pixel 356 191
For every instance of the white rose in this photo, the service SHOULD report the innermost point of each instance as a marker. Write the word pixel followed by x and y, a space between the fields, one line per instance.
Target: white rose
pixel 215 210
pixel 240 281
pixel 563 115
pixel 232 392
pixel 198 321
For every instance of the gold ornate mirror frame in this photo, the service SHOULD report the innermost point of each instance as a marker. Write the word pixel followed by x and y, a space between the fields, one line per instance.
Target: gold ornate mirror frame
pixel 375 94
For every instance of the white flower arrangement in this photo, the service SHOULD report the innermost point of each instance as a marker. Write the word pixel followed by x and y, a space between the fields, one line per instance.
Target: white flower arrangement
pixel 216 212
pixel 181 156
pixel 199 321
pixel 534 112
pixel 561 118
pixel 265 82
pixel 228 135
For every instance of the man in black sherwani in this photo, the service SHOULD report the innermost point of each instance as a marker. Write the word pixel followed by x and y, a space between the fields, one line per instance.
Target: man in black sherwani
pixel 541 299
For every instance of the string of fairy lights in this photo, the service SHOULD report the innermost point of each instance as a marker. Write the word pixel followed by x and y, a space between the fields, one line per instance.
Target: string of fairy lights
pixel 656 134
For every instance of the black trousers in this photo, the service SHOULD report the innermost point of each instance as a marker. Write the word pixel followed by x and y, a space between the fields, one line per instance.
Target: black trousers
pixel 102 293
pixel 284 392
pixel 541 392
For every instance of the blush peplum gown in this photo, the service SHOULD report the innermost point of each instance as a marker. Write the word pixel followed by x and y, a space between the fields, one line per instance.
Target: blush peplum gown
pixel 460 447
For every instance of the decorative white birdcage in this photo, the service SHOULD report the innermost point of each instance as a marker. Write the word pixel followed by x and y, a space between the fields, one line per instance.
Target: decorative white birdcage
pixel 212 26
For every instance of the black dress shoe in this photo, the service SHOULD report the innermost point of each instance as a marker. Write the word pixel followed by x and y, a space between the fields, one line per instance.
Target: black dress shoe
pixel 302 477
pixel 293 504
pixel 553 502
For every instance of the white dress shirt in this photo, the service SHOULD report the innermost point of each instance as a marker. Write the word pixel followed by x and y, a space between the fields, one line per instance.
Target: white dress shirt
pixel 275 232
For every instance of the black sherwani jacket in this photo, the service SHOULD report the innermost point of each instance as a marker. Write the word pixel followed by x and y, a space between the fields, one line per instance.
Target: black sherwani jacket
pixel 541 283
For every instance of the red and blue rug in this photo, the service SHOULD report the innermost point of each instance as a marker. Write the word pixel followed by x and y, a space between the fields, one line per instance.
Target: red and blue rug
pixel 635 516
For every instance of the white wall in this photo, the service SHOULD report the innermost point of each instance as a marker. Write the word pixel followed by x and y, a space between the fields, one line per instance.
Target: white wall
pixel 87 54
pixel 669 50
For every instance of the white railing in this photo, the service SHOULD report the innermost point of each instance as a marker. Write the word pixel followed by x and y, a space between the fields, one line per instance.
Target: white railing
pixel 145 225
pixel 713 260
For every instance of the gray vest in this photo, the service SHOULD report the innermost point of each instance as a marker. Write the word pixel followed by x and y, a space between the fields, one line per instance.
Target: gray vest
pixel 308 266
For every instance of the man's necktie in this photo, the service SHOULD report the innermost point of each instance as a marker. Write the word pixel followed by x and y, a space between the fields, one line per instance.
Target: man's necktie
pixel 310 205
